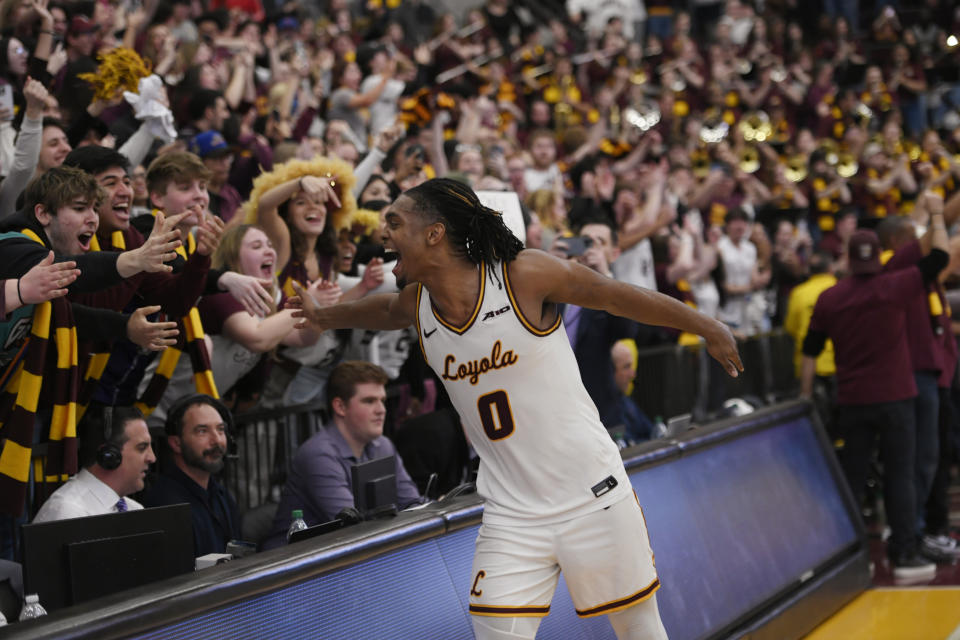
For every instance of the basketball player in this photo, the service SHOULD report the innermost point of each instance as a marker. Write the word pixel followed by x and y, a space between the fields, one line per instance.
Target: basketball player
pixel 557 494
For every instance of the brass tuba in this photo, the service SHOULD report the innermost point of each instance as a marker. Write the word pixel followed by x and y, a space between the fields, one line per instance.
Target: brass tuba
pixel 755 127
pixel 644 115
pixel 795 168
pixel 713 129
pixel 749 159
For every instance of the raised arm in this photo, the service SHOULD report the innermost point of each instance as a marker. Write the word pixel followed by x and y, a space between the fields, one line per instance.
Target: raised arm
pixel 268 209
pixel 539 278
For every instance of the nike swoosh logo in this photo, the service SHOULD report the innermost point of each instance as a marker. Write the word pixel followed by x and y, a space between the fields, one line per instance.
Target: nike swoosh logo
pixel 427 334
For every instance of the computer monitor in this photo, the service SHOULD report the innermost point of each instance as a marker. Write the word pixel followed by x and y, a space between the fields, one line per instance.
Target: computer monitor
pixel 67 562
pixel 374 484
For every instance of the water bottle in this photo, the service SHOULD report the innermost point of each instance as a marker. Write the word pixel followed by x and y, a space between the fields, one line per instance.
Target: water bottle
pixel 659 428
pixel 32 608
pixel 297 525
pixel 619 437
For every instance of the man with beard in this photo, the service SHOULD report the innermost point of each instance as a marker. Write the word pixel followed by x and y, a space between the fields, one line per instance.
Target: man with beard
pixel 196 429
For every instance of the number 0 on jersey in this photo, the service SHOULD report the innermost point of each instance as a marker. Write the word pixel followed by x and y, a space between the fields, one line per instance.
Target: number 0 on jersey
pixel 496 414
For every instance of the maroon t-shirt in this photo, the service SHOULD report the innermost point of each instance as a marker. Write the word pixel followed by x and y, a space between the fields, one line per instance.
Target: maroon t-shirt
pixel 866 319
pixel 214 311
pixel 926 348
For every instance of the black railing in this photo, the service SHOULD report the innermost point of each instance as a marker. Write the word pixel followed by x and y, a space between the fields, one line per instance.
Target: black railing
pixel 265 443
pixel 671 380
pixel 674 380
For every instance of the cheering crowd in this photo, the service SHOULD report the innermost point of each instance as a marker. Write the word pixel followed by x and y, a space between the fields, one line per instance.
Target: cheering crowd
pixel 172 168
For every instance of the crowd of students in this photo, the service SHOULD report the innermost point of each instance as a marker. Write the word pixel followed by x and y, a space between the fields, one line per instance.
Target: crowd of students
pixel 723 152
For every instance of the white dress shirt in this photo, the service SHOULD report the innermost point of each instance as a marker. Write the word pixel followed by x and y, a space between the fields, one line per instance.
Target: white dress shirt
pixel 83 495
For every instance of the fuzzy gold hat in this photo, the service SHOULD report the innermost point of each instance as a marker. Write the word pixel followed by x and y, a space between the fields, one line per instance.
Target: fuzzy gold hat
pixel 341 178
pixel 364 222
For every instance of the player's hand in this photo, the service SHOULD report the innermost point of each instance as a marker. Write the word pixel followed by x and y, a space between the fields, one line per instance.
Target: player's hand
pixel 249 291
pixel 723 347
pixel 305 308
pixel 47 280
pixel 154 336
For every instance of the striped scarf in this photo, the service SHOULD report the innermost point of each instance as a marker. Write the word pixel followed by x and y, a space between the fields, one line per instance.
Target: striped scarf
pixel 21 385
pixel 97 361
pixel 190 339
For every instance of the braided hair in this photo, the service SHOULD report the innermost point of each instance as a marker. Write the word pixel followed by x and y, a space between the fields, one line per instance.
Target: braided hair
pixel 475 231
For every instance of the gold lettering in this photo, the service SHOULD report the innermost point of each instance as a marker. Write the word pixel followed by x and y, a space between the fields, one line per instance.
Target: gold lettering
pixel 473 369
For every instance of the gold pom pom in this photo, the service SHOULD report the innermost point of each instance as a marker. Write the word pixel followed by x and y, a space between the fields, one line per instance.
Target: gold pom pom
pixel 120 70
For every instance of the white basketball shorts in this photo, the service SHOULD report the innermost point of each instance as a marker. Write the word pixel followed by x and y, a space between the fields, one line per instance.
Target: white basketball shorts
pixel 605 557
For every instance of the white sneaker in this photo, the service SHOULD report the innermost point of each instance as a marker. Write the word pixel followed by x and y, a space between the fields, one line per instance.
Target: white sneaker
pixel 941 548
pixel 913 567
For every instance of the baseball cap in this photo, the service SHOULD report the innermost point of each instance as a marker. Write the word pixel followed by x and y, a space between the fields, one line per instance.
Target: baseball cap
pixel 288 23
pixel 863 252
pixel 81 24
pixel 209 144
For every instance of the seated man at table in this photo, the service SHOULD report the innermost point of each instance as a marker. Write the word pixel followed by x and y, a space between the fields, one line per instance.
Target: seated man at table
pixel 116 459
pixel 319 483
pixel 196 428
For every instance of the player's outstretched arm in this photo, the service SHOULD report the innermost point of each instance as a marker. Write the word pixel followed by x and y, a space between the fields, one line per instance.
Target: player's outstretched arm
pixel 383 312
pixel 538 277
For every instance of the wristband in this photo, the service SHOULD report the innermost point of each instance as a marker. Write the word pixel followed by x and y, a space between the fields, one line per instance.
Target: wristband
pixel 18 293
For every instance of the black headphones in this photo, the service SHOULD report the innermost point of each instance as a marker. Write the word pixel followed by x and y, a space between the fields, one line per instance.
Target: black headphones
pixel 109 454
pixel 177 410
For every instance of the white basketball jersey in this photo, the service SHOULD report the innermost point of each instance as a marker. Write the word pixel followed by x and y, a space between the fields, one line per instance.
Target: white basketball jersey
pixel 544 454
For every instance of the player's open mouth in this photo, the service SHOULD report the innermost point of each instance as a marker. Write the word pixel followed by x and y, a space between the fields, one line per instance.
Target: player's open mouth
pixel 266 269
pixel 122 211
pixel 84 240
pixel 390 256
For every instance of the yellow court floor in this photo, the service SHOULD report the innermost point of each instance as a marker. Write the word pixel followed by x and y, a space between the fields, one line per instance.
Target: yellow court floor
pixel 896 613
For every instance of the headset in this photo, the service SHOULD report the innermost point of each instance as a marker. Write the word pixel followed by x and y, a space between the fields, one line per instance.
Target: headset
pixel 177 410
pixel 109 454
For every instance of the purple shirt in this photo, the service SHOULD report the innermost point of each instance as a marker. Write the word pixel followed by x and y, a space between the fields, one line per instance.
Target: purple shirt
pixel 319 481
